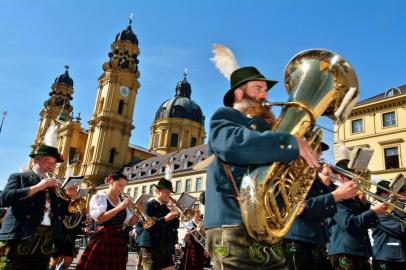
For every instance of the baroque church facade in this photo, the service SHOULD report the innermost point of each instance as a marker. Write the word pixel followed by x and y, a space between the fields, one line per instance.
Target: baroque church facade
pixel 104 147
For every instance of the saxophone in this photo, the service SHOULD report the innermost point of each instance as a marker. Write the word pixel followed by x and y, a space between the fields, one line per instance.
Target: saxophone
pixel 319 82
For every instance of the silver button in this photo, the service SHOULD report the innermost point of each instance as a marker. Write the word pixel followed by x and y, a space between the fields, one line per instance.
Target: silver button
pixel 282 146
pixel 289 146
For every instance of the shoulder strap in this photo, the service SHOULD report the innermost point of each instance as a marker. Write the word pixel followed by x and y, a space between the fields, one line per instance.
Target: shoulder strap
pixel 231 181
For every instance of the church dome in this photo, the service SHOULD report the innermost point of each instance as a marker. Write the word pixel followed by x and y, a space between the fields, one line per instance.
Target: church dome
pixel 181 106
pixel 64 78
pixel 127 34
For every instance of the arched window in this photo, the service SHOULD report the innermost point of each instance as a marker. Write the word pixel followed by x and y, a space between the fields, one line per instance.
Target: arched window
pixel 90 156
pixel 156 140
pixel 174 140
pixel 120 107
pixel 112 155
pixel 393 92
pixel 101 105
pixel 193 142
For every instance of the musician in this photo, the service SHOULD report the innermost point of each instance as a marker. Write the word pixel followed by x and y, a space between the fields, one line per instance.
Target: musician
pixel 64 249
pixel 193 255
pixel 305 243
pixel 349 246
pixel 240 137
pixel 158 242
pixel 389 236
pixel 30 198
pixel 139 228
pixel 107 247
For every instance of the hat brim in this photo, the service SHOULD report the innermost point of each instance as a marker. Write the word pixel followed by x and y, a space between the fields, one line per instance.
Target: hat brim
pixel 58 158
pixel 324 146
pixel 343 164
pixel 163 187
pixel 228 99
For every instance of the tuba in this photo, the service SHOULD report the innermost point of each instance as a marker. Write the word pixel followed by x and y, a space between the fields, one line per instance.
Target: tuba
pixel 319 82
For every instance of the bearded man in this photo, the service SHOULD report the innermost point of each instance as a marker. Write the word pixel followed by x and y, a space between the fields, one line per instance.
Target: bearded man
pixel 240 136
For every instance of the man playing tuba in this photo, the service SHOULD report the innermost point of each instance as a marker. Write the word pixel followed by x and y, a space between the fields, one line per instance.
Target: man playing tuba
pixel 241 137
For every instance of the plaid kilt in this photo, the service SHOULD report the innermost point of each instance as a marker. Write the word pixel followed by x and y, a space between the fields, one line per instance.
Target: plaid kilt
pixel 193 256
pixel 106 250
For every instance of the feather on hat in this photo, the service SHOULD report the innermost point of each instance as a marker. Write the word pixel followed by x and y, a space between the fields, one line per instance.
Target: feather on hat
pixel 226 63
pixel 48 147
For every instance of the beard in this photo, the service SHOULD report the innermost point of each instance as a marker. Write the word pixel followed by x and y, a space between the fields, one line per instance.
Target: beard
pixel 253 107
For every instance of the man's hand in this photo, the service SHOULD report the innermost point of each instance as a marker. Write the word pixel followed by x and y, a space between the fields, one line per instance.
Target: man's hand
pixel 47 183
pixel 324 175
pixel 379 208
pixel 307 153
pixel 171 216
pixel 72 191
pixel 345 191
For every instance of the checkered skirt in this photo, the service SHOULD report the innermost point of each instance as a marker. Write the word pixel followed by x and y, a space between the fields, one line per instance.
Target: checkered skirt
pixel 106 250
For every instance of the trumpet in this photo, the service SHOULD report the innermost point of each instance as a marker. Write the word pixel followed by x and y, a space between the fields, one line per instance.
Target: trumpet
pixel 58 189
pixel 363 185
pixel 148 221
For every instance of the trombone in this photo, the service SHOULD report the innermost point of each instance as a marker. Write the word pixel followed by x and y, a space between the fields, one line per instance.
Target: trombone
pixel 186 216
pixel 363 184
pixel 148 221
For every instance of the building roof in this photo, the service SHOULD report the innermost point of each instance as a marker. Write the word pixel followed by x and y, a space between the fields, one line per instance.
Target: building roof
pixel 387 94
pixel 127 34
pixel 181 106
pixel 64 78
pixel 182 160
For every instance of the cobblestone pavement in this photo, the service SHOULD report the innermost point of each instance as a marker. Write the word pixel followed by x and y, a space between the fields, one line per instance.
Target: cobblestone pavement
pixel 130 265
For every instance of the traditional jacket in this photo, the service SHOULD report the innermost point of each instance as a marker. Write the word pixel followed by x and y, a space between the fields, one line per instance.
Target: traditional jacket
pixel 311 226
pixel 162 232
pixel 390 239
pixel 236 139
pixel 24 213
pixel 349 229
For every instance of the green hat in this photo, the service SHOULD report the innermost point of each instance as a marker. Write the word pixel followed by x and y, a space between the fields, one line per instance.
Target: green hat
pixel 382 183
pixel 324 146
pixel 241 76
pixel 343 164
pixel 164 184
pixel 47 151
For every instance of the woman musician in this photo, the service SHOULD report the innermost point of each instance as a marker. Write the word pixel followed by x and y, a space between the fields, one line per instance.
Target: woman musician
pixel 107 247
pixel 194 254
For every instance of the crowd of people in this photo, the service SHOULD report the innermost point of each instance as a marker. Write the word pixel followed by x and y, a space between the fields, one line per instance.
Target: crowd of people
pixel 330 231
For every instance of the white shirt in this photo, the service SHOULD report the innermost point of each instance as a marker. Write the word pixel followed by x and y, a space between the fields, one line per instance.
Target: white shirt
pixel 98 205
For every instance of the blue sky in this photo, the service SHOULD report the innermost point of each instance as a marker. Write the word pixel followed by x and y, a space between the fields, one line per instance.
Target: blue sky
pixel 39 37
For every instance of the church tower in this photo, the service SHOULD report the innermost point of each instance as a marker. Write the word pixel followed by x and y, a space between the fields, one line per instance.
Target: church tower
pixel 179 122
pixel 111 123
pixel 56 106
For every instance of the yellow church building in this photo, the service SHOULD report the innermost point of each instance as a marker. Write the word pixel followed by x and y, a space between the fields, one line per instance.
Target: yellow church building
pixel 378 123
pixel 176 137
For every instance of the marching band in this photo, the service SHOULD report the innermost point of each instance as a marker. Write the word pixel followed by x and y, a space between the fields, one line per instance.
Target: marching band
pixel 293 214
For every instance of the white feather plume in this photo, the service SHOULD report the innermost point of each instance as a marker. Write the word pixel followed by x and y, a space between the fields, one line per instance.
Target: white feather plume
pixel 50 137
pixel 168 171
pixel 342 152
pixel 224 60
pixel 347 104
